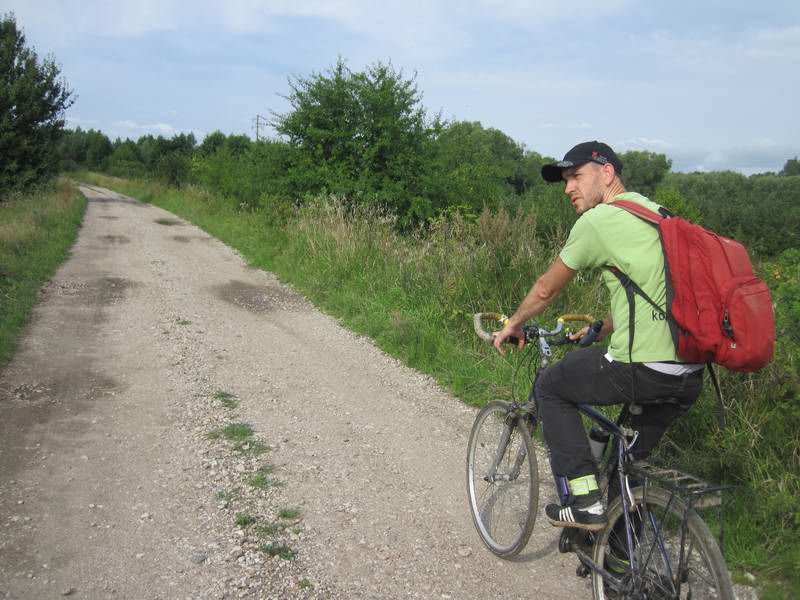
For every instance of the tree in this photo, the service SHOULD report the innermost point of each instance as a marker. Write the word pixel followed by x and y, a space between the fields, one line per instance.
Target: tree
pixel 643 171
pixel 358 133
pixel 473 166
pixel 792 167
pixel 98 149
pixel 33 98
pixel 213 142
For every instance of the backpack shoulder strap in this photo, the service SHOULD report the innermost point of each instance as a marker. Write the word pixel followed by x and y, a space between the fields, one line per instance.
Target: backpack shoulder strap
pixel 631 288
pixel 638 210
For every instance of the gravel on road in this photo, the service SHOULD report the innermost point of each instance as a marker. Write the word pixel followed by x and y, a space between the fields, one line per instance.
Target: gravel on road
pixel 177 424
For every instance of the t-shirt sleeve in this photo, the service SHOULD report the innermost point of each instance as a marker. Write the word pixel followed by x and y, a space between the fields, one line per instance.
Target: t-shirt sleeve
pixel 584 249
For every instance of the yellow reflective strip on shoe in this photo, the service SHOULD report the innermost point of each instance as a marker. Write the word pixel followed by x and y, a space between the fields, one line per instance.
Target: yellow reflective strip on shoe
pixel 581 486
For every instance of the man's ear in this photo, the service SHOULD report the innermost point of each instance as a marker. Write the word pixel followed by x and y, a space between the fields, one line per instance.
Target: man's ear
pixel 609 172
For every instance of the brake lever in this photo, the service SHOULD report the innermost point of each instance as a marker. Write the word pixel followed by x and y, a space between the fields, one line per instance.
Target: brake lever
pixel 591 335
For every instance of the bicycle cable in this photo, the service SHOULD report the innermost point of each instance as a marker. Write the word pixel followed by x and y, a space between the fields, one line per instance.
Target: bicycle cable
pixel 527 356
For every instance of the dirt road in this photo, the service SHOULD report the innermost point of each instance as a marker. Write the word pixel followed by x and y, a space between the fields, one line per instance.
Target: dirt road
pixel 110 486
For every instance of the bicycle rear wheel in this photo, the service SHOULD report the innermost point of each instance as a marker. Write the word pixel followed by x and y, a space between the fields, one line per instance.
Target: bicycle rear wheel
pixel 502 479
pixel 662 568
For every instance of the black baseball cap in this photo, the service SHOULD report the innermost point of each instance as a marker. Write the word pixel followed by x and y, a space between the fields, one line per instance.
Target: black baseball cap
pixel 582 153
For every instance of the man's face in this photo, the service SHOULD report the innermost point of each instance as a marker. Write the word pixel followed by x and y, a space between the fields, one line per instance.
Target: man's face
pixel 584 185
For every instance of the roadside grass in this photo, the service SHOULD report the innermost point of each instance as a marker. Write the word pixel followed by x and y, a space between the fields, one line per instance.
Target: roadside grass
pixel 269 530
pixel 233 432
pixel 251 447
pixel 261 479
pixel 289 513
pixel 227 399
pixel 278 549
pixel 305 584
pixel 228 496
pixel 414 295
pixel 244 520
pixel 37 230
pixel 242 437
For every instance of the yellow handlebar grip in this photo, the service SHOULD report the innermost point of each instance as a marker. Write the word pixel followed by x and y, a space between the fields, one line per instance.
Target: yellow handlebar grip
pixel 575 317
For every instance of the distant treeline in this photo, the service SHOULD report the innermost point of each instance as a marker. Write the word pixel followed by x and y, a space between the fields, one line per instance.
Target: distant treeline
pixel 365 137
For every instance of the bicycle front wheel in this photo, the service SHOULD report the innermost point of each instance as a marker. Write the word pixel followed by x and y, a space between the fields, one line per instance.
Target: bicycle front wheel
pixel 664 565
pixel 502 479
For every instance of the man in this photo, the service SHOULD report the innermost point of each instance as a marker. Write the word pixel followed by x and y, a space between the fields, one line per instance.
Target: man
pixel 605 236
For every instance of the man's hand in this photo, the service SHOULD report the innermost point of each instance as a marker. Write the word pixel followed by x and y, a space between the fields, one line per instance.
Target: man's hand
pixel 507 332
pixel 579 334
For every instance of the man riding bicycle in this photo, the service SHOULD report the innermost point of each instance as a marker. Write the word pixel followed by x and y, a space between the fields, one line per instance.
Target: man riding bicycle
pixel 644 370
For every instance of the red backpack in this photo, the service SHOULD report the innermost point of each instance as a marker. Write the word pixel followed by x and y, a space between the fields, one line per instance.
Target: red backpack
pixel 718 310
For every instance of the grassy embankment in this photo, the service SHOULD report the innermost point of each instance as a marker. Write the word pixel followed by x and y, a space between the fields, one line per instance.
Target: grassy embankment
pixel 413 295
pixel 36 232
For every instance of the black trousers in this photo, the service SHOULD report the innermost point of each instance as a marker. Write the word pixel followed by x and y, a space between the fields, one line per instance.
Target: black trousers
pixel 587 377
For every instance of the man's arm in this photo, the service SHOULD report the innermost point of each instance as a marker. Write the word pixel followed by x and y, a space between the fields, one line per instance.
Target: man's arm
pixel 544 291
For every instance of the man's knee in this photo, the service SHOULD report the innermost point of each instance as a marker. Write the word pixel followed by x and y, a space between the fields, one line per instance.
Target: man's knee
pixel 543 386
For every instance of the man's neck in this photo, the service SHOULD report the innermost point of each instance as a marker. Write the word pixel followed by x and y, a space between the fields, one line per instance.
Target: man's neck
pixel 612 191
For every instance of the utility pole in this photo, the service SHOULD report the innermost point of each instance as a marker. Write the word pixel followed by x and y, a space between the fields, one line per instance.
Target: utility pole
pixel 258 121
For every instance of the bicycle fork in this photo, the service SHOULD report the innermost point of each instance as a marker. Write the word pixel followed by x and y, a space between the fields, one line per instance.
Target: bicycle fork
pixel 505 438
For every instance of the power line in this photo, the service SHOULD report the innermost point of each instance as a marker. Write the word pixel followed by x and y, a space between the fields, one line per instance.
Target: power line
pixel 259 121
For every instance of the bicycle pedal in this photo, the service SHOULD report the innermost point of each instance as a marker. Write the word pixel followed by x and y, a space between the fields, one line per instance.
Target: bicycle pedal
pixel 582 571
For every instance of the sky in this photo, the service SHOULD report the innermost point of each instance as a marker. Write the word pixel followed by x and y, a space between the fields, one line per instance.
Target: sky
pixel 712 84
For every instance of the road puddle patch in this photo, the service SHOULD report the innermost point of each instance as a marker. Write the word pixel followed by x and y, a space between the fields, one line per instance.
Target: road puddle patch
pixel 75 390
pixel 258 298
pixel 181 238
pixel 115 240
pixel 102 291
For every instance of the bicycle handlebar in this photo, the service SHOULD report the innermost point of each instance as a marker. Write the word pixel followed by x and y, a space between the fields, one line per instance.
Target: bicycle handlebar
pixel 533 331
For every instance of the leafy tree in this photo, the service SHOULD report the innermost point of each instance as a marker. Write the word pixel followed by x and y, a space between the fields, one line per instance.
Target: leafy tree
pixel 358 132
pixel 79 148
pixel 33 98
pixel 672 199
pixel 643 171
pixel 98 149
pixel 472 166
pixel 530 171
pixel 212 143
pixel 238 144
pixel 792 167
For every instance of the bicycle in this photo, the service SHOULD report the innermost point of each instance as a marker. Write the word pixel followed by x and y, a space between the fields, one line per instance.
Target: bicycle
pixel 655 546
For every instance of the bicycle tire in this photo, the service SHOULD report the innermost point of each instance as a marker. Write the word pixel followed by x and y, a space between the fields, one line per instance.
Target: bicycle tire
pixel 705 574
pixel 503 510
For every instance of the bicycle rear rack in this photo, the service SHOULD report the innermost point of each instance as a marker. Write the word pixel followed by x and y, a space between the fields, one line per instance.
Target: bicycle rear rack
pixel 698 493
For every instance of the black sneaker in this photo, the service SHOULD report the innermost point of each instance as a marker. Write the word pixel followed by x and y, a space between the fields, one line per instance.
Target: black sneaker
pixel 585 512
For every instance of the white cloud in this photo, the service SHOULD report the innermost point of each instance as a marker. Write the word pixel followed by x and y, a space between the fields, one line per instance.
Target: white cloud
pixel 161 128
pixel 417 27
pixel 78 122
pixel 131 129
pixel 643 143
pixel 775 44
pixel 582 125
pixel 756 156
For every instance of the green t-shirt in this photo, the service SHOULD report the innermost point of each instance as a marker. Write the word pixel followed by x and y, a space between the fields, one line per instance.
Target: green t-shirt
pixel 610 236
